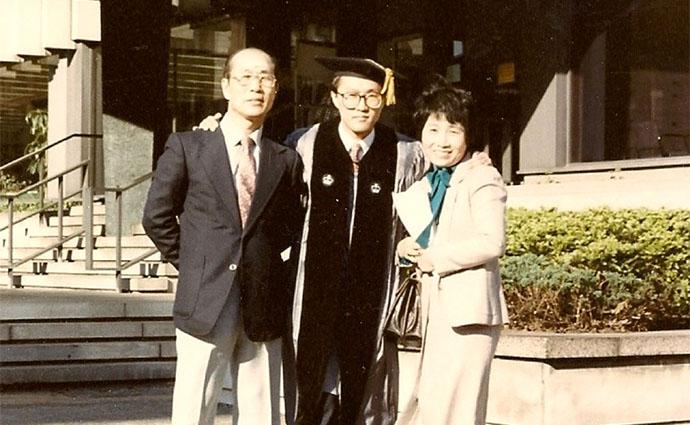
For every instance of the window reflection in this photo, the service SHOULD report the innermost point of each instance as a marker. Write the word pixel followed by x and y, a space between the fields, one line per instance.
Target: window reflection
pixel 197 56
pixel 632 84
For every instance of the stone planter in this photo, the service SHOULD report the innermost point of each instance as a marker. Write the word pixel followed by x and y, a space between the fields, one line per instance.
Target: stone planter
pixel 630 378
pixel 584 379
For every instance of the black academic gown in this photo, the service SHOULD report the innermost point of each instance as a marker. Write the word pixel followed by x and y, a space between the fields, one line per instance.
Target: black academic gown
pixel 344 286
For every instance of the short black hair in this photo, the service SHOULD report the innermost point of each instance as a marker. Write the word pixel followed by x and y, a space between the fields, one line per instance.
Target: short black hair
pixel 227 68
pixel 440 98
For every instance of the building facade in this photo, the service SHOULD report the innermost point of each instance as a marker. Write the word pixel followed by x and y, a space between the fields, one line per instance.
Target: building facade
pixel 581 103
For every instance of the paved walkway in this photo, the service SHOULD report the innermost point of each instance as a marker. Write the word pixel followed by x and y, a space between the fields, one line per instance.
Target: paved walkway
pixel 133 403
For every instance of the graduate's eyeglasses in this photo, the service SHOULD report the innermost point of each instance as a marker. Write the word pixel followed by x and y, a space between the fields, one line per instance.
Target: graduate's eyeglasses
pixel 265 80
pixel 351 100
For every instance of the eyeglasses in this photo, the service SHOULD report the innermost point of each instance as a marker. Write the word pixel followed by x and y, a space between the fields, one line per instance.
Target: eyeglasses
pixel 265 80
pixel 351 100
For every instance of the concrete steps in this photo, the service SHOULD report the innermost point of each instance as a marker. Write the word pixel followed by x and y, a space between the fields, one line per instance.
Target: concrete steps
pixel 98 230
pixel 98 281
pixel 138 230
pixel 76 254
pixel 140 241
pixel 108 254
pixel 147 268
pixel 66 268
pixel 57 305
pixel 73 336
pixel 28 222
pixel 92 330
pixel 79 351
pixel 98 209
pixel 20 253
pixel 74 220
pixel 89 372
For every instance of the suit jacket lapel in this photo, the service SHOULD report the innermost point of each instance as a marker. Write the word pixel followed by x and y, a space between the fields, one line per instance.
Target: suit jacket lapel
pixel 215 159
pixel 270 171
pixel 450 200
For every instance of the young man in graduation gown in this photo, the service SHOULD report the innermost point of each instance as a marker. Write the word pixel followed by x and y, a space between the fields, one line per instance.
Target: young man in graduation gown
pixel 345 373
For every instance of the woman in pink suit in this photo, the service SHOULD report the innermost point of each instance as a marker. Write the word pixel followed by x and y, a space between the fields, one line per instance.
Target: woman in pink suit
pixel 455 216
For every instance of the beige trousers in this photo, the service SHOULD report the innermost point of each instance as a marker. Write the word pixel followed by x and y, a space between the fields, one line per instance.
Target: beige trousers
pixel 452 380
pixel 202 364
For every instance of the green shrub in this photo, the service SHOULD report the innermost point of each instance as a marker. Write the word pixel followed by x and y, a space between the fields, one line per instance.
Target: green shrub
pixel 38 127
pixel 598 269
pixel 10 183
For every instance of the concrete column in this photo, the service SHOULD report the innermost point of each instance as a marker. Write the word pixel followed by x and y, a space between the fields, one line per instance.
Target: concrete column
pixel 73 107
pixel 543 143
pixel 129 150
pixel 135 46
pixel 544 82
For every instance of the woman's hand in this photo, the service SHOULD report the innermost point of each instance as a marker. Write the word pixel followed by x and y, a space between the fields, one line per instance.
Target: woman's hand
pixel 210 123
pixel 409 249
pixel 424 262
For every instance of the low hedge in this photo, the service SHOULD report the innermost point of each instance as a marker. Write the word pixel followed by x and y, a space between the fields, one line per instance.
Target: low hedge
pixel 10 183
pixel 598 270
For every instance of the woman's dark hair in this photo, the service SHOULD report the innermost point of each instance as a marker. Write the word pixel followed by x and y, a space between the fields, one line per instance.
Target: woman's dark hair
pixel 441 98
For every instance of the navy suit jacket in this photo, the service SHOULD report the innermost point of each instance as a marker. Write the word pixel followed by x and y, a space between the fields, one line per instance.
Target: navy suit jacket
pixel 192 216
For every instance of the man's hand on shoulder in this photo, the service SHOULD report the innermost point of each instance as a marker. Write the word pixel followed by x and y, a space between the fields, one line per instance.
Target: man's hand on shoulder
pixel 481 158
pixel 210 123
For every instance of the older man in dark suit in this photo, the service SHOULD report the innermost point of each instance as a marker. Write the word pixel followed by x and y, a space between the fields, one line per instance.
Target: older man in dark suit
pixel 225 208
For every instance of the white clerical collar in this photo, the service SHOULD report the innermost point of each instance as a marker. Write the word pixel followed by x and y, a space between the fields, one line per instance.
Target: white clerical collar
pixel 349 139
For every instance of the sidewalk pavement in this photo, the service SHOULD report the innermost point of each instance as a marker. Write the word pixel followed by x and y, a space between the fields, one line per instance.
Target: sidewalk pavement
pixel 125 403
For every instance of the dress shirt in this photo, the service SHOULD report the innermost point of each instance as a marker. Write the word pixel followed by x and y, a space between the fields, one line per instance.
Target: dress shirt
pixel 349 139
pixel 233 139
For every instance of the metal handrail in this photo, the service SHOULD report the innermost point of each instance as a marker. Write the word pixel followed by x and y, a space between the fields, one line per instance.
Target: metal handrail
pixel 87 202
pixel 134 182
pixel 138 259
pixel 11 223
pixel 43 181
pixel 46 147
pixel 51 247
pixel 119 266
pixel 40 210
pixel 87 186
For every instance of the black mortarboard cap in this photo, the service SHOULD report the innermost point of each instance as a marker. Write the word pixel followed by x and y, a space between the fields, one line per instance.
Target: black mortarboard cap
pixel 362 68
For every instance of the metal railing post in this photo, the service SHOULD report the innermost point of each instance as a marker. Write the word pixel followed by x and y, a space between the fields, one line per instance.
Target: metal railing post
pixel 61 204
pixel 87 191
pixel 87 205
pixel 118 235
pixel 88 182
pixel 41 176
pixel 10 240
pixel 118 238
pixel 120 264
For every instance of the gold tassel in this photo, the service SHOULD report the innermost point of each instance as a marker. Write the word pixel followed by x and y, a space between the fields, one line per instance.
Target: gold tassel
pixel 389 87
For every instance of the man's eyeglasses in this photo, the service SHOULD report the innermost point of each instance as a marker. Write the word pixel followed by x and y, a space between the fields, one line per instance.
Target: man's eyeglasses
pixel 265 80
pixel 351 100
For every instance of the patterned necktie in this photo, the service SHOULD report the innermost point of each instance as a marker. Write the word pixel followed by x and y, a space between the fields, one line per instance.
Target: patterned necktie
pixel 439 179
pixel 246 177
pixel 356 156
